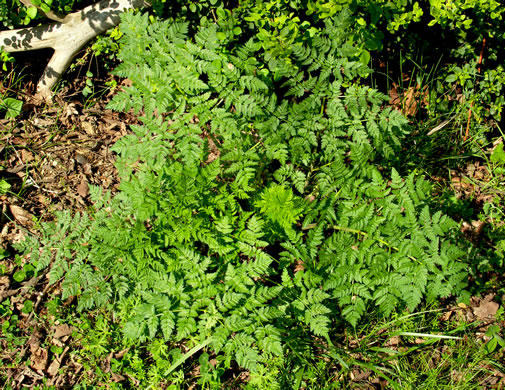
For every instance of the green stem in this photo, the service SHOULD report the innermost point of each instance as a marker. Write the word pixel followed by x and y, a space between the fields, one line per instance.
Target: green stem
pixel 187 355
pixel 361 233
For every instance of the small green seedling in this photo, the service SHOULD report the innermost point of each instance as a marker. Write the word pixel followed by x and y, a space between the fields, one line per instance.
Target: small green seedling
pixel 3 254
pixel 496 340
pixel 88 89
pixel 27 306
pixel 498 159
pixel 4 187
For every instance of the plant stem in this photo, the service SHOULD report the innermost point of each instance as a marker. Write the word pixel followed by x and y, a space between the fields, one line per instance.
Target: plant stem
pixel 471 104
pixel 361 233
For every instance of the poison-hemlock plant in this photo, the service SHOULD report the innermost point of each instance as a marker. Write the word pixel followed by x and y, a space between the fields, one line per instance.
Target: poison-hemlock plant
pixel 255 206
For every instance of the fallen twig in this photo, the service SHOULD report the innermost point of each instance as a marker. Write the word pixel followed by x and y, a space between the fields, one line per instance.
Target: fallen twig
pixel 66 36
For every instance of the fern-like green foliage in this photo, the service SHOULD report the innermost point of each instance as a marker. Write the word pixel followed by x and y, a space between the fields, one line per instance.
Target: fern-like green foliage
pixel 258 202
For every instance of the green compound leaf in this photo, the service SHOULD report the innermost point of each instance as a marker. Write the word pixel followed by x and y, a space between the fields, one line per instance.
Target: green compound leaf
pixel 258 198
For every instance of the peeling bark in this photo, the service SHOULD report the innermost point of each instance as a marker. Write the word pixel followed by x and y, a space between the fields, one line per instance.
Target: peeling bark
pixel 66 36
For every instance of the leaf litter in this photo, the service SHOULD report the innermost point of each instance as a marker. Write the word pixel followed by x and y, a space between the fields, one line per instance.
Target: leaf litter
pixel 48 157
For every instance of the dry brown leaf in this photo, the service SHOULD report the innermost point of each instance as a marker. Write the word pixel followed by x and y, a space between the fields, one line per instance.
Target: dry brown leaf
pixel 56 363
pixel 478 226
pixel 4 282
pixel 299 266
pixel 70 110
pixel 16 236
pixel 16 169
pixel 360 375
pixel 21 216
pixel 58 342
pixel 410 107
pixel 487 308
pixel 127 83
pixel 54 367
pixel 447 315
pixel 5 228
pixel 27 372
pixel 82 188
pixel 81 159
pixel 89 128
pixel 120 354
pixel 106 363
pixel 407 100
pixel 44 200
pixel 457 376
pixel 26 156
pixel 394 341
pixel 87 169
pixel 42 122
pixel 116 377
pixel 62 331
pixel 38 360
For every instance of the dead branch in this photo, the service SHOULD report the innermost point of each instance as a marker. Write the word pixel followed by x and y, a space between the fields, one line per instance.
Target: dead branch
pixel 66 36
